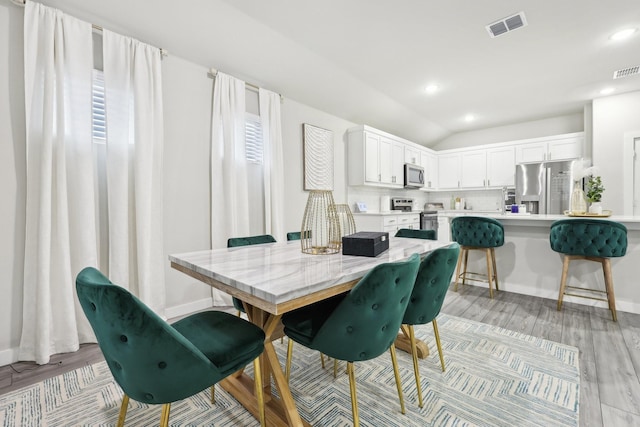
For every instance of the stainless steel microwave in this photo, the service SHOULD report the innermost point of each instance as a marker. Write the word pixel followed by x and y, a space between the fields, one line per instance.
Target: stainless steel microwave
pixel 413 176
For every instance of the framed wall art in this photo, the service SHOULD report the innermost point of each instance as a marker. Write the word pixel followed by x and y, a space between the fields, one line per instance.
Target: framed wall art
pixel 318 158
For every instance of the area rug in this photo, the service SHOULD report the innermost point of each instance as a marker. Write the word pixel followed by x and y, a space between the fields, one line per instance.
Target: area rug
pixel 494 377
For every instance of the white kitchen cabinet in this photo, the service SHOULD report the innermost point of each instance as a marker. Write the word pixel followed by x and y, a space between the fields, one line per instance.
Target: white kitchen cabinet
pixel 389 222
pixel 501 166
pixel 557 148
pixel 449 171
pixel 473 169
pixel 411 155
pixel 375 159
pixel 429 161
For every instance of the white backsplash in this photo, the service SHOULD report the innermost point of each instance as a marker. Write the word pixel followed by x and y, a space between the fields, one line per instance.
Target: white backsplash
pixel 484 200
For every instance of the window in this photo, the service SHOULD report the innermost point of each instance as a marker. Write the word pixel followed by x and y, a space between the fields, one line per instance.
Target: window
pixel 98 125
pixel 253 138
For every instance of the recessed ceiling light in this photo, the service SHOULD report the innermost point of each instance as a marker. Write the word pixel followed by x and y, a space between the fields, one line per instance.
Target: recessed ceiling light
pixel 623 34
pixel 469 118
pixel 432 88
pixel 607 91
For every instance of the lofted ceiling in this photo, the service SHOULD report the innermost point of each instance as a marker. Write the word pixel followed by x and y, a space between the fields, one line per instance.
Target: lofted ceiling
pixel 369 61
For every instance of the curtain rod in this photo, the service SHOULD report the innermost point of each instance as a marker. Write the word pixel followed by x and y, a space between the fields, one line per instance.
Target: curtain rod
pixel 213 73
pixel 98 28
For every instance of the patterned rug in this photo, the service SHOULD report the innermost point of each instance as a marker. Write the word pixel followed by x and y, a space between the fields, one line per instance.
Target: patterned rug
pixel 494 377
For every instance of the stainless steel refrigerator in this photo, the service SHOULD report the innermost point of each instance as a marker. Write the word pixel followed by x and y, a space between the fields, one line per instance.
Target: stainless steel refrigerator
pixel 545 188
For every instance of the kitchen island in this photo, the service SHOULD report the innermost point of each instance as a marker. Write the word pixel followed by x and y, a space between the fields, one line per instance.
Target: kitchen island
pixel 527 265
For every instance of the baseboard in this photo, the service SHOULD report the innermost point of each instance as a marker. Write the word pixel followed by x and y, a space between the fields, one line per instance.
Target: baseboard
pixel 621 305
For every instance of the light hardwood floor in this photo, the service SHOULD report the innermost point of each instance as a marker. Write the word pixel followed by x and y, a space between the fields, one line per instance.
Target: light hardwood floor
pixel 609 352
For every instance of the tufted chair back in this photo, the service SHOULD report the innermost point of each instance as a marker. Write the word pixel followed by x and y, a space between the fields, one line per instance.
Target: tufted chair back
pixel 432 283
pixel 416 234
pixel 250 240
pixel 365 323
pixel 477 231
pixel 149 359
pixel 589 237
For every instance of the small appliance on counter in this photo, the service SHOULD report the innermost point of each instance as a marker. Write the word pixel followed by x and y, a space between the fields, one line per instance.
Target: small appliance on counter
pixel 401 204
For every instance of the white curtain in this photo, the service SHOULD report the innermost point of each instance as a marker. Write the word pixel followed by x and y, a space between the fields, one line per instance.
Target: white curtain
pixel 229 194
pixel 61 215
pixel 273 167
pixel 133 92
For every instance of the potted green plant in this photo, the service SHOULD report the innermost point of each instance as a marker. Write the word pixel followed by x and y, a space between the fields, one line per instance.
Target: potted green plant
pixel 594 194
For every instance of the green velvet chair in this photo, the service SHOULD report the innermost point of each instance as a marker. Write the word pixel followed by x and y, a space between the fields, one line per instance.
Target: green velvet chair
pixel 247 241
pixel 429 291
pixel 416 234
pixel 477 233
pixel 359 325
pixel 158 363
pixel 591 240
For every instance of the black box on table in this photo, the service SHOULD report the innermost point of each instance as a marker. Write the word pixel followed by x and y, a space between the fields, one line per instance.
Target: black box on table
pixel 365 243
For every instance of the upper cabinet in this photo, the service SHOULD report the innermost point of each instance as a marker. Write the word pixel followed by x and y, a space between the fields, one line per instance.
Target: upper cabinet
pixel 501 166
pixel 375 159
pixel 477 169
pixel 448 171
pixel 429 161
pixel 563 147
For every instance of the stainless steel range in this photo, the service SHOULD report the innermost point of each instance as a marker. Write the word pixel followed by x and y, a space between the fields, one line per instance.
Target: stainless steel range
pixel 429 217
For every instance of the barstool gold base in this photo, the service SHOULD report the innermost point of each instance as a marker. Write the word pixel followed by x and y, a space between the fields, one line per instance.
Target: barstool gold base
pixel 492 272
pixel 608 282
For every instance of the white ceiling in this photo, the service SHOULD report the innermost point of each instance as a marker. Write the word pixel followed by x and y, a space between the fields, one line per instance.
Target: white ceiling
pixel 368 61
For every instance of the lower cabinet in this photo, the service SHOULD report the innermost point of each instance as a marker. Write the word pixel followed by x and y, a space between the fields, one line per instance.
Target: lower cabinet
pixel 389 222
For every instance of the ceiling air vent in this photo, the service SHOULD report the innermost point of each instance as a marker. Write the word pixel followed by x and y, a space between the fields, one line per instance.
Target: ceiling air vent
pixel 507 24
pixel 631 71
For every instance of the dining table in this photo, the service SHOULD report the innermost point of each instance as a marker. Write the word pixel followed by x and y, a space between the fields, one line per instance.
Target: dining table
pixel 274 278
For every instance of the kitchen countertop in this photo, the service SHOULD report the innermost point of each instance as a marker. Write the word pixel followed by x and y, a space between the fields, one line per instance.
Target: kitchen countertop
pixel 536 220
pixel 389 213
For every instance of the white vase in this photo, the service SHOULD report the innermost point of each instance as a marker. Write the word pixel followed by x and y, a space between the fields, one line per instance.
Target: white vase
pixel 595 208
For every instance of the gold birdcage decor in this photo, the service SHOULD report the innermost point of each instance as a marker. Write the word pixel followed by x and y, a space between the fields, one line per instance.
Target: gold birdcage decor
pixel 320 233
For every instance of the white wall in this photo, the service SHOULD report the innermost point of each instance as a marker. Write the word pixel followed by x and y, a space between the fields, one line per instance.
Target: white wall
pixel 525 130
pixel 294 115
pixel 612 117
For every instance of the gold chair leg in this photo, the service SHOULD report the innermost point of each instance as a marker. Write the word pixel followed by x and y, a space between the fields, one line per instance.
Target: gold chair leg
pixel 416 369
pixel 239 313
pixel 354 399
pixel 287 369
pixel 495 269
pixel 608 281
pixel 396 373
pixel 466 259
pixel 563 280
pixel 487 255
pixel 123 410
pixel 438 343
pixel 213 394
pixel 257 374
pixel 335 368
pixel 455 287
pixel 322 360
pixel 164 418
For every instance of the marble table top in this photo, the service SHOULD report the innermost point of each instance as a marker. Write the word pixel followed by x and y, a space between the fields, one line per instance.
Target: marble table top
pixel 280 272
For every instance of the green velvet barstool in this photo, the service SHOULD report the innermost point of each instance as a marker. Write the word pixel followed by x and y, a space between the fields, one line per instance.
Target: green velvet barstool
pixel 592 240
pixel 477 233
